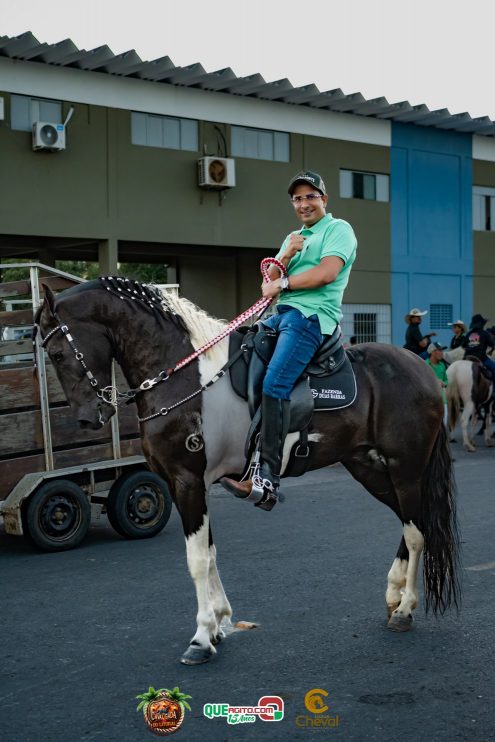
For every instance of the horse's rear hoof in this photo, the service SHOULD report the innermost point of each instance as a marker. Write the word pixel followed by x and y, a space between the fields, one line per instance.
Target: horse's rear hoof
pixel 398 622
pixel 196 655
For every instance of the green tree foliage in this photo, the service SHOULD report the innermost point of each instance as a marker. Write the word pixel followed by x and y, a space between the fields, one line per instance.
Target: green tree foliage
pixel 144 272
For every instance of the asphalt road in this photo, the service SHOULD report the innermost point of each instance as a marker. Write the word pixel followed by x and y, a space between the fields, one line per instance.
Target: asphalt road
pixel 84 631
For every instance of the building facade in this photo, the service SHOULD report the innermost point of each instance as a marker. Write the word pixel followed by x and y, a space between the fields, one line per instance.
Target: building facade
pixel 417 186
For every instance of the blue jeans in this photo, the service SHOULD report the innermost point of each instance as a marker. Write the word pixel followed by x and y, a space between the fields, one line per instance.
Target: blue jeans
pixel 490 364
pixel 299 337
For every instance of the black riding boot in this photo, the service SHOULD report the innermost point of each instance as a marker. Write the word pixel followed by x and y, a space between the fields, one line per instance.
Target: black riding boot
pixel 275 414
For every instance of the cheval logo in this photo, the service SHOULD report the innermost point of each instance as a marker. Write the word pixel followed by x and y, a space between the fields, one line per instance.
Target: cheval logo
pixel 163 709
pixel 268 708
pixel 315 702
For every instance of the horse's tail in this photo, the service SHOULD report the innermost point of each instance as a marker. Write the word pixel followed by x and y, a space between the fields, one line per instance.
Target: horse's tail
pixel 453 401
pixel 440 530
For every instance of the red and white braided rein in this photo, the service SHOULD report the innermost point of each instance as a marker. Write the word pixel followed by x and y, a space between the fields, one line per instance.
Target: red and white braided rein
pixel 257 308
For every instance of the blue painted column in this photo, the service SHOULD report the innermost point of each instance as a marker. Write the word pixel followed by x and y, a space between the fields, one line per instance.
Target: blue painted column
pixel 431 224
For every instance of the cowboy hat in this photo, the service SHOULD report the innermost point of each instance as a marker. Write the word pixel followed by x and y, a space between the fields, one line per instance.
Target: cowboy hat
pixel 415 313
pixel 458 323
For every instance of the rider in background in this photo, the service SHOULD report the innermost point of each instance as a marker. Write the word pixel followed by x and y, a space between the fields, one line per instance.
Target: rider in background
pixel 478 342
pixel 415 340
pixel 318 259
pixel 436 362
pixel 459 329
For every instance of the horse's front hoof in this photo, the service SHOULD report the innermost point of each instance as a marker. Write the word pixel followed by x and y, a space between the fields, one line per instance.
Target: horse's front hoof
pixel 197 655
pixel 399 622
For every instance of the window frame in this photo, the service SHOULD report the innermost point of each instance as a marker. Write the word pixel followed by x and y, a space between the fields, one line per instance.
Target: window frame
pixel 483 208
pixel 347 181
pixel 281 140
pixel 140 119
pixel 33 112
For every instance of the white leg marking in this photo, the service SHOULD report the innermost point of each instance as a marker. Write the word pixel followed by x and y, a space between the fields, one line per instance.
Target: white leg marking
pixel 465 425
pixel 219 601
pixel 414 542
pixel 396 579
pixel 198 561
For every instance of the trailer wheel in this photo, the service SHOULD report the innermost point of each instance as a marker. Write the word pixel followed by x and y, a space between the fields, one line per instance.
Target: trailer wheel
pixel 139 504
pixel 58 515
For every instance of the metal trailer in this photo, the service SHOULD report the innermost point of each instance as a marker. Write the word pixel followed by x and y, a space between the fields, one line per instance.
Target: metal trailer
pixel 55 477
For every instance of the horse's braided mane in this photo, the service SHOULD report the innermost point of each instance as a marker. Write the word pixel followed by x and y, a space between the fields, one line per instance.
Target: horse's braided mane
pixel 145 294
pixel 200 326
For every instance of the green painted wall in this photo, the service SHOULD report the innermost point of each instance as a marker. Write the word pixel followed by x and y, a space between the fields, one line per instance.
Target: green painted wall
pixel 484 250
pixel 104 187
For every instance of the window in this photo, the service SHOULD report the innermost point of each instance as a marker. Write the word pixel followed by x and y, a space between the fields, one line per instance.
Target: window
pixel 25 111
pixel 365 327
pixel 440 316
pixel 369 186
pixel 370 323
pixel 483 209
pixel 260 144
pixel 151 130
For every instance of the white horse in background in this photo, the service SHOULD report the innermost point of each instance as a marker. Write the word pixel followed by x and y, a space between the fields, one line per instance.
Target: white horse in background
pixel 470 388
pixel 454 355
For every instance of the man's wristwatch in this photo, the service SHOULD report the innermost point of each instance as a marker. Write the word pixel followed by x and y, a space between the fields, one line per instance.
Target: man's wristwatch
pixel 284 283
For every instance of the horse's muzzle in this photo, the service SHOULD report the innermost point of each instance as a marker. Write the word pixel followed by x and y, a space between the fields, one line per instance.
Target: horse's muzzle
pixel 94 418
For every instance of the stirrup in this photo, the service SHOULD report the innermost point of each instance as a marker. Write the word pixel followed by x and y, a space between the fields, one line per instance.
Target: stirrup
pixel 267 493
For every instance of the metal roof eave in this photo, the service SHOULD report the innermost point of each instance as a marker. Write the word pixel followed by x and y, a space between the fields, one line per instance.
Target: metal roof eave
pixel 65 53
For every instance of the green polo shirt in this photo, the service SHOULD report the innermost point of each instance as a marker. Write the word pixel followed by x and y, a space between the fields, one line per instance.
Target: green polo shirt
pixel 440 371
pixel 327 237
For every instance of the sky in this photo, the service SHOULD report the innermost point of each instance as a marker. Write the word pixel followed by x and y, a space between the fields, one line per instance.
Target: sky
pixel 437 52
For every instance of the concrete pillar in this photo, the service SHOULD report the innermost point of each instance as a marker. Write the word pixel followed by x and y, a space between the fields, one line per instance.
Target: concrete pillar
pixel 172 274
pixel 46 256
pixel 108 256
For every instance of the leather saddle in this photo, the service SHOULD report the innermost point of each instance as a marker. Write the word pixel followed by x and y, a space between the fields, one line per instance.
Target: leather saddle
pixel 327 384
pixel 484 370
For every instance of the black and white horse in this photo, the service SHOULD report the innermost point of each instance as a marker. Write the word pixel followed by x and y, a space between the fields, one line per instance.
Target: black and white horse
pixel 468 391
pixel 391 439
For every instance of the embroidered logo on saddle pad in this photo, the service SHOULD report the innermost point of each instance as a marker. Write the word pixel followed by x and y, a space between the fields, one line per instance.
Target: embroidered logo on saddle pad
pixel 335 391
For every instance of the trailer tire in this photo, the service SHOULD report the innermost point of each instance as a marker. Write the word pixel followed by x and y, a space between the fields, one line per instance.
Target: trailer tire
pixel 139 504
pixel 57 515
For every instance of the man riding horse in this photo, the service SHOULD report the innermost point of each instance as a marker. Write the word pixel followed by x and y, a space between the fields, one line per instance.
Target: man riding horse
pixel 318 259
pixel 478 342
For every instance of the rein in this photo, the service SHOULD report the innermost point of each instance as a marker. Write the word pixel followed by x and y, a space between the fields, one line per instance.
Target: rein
pixel 111 395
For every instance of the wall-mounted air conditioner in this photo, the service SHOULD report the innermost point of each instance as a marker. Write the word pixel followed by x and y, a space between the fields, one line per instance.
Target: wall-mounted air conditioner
pixel 216 172
pixel 48 136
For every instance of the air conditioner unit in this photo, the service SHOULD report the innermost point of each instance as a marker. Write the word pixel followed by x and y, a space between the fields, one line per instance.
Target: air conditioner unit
pixel 48 136
pixel 216 172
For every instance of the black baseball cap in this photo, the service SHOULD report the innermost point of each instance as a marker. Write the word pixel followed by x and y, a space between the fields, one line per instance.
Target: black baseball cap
pixel 309 177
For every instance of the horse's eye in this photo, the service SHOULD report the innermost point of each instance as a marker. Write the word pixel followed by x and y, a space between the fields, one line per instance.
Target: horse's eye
pixel 57 357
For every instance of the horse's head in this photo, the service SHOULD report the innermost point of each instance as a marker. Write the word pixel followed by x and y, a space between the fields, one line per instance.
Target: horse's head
pixel 80 349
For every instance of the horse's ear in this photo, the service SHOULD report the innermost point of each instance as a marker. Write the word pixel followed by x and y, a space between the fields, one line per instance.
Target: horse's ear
pixel 49 298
